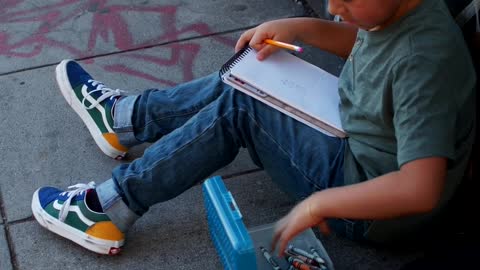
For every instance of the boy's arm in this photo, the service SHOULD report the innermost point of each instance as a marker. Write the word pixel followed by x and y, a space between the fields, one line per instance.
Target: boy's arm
pixel 337 38
pixel 414 189
pixel 334 37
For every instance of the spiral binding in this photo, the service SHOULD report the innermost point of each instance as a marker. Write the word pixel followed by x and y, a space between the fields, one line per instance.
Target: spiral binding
pixel 235 60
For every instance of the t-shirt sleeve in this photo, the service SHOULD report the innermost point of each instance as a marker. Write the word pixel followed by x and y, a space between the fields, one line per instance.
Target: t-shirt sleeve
pixel 424 111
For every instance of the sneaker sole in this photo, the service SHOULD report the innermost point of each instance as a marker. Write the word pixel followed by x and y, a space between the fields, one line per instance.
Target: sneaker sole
pixel 68 94
pixel 56 226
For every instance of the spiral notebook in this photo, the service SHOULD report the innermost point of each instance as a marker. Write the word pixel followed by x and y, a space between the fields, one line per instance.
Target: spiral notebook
pixel 291 85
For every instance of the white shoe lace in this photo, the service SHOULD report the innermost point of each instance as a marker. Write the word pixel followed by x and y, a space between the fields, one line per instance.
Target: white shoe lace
pixel 106 93
pixel 73 191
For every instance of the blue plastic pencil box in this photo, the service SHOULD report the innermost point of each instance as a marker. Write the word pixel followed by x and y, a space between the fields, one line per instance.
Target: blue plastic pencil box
pixel 227 230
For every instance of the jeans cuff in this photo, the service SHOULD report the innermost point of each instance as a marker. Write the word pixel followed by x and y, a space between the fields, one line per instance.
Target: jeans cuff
pixel 122 121
pixel 114 206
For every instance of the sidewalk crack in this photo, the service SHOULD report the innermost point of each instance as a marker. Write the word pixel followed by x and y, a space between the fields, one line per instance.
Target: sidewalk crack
pixel 8 236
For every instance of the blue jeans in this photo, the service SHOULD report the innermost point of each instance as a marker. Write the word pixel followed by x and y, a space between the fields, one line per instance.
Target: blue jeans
pixel 197 128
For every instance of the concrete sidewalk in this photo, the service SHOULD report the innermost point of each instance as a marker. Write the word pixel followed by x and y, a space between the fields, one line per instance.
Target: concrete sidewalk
pixel 131 45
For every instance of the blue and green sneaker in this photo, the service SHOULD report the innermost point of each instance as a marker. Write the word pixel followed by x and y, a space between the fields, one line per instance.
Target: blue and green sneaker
pixel 94 103
pixel 76 214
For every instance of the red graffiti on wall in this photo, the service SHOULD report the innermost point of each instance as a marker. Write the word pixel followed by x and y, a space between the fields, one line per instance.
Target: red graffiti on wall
pixel 109 24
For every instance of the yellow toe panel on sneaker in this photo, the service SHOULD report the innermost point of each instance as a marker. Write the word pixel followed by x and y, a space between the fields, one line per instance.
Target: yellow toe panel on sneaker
pixel 112 139
pixel 105 230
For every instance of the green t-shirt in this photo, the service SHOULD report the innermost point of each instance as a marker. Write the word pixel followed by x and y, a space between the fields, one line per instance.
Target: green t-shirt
pixel 407 92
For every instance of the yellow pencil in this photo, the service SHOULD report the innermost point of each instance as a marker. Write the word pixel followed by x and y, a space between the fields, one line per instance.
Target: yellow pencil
pixel 283 45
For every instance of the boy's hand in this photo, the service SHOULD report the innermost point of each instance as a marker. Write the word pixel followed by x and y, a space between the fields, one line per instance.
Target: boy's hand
pixel 300 218
pixel 280 30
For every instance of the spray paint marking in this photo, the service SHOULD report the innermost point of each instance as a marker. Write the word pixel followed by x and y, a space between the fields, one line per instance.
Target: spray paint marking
pixel 44 28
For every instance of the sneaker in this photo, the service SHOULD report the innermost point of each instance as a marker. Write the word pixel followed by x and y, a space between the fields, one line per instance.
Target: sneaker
pixel 67 214
pixel 94 103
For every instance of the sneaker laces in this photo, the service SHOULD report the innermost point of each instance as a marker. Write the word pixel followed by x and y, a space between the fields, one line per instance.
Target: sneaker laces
pixel 73 191
pixel 106 93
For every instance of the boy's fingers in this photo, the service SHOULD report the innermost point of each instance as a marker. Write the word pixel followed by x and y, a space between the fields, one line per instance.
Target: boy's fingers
pixel 285 234
pixel 244 39
pixel 265 52
pixel 277 231
pixel 275 238
pixel 278 240
pixel 240 44
pixel 257 41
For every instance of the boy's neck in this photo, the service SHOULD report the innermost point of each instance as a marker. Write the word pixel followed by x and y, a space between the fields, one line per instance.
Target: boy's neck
pixel 405 7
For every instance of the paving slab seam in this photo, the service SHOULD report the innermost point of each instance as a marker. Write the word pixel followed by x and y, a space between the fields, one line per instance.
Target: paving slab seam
pixel 232 175
pixel 8 237
pixel 135 49
pixel 2 210
pixel 22 220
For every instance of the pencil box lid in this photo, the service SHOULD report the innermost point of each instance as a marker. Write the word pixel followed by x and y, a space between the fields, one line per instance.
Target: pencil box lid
pixel 227 230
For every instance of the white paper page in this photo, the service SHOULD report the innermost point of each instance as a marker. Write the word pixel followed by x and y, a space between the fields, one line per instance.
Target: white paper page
pixel 253 92
pixel 295 82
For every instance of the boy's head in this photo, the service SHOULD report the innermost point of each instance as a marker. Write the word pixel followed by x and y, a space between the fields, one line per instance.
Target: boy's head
pixel 371 14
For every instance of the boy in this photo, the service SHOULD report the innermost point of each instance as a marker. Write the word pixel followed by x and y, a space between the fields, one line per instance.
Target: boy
pixel 406 102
